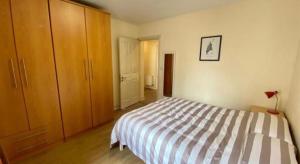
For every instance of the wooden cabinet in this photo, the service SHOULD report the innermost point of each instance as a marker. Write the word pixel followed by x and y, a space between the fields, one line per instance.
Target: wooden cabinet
pixel 69 36
pixel 13 115
pixel 30 112
pixel 55 71
pixel 35 52
pixel 99 50
pixel 82 47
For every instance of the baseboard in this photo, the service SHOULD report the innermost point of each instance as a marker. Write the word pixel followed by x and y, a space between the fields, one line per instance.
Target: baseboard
pixel 117 108
pixel 142 98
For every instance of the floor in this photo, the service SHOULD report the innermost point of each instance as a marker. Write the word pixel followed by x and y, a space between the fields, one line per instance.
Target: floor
pixel 92 147
pixel 150 96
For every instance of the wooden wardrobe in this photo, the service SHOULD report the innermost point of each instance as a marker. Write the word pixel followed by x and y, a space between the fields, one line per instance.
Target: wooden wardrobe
pixel 55 70
pixel 82 47
pixel 30 111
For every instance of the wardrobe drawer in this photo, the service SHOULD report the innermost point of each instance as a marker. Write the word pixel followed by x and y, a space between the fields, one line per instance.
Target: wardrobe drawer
pixel 20 144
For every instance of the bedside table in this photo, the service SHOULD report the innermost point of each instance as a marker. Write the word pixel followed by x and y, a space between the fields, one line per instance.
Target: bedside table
pixel 264 110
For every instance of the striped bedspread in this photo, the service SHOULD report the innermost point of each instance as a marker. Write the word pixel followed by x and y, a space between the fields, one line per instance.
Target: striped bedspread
pixel 175 130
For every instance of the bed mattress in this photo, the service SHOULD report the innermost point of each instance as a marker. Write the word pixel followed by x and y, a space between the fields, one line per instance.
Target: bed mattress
pixel 176 130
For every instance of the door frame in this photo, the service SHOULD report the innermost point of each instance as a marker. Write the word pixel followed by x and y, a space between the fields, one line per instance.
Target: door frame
pixel 163 71
pixel 159 93
pixel 161 68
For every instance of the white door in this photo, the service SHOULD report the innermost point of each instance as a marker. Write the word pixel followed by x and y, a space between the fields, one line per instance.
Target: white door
pixel 129 71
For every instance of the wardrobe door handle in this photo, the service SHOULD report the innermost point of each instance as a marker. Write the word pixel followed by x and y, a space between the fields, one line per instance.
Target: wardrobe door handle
pixel 92 69
pixel 86 69
pixel 24 71
pixel 13 72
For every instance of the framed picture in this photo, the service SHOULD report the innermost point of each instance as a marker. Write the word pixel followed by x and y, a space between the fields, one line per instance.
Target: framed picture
pixel 210 48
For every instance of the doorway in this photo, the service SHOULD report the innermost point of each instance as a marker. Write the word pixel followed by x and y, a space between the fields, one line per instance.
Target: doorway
pixel 150 65
pixel 168 74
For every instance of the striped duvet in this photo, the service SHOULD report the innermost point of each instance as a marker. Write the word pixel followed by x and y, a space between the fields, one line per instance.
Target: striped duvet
pixel 174 130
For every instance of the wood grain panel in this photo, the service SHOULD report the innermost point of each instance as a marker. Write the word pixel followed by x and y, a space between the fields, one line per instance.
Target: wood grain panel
pixel 69 35
pixel 108 67
pixel 99 50
pixel 25 142
pixel 35 50
pixel 13 116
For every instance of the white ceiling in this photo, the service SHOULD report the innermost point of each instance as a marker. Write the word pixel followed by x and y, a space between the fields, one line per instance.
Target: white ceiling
pixel 142 11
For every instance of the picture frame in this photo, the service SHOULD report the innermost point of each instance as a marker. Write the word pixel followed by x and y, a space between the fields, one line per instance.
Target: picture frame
pixel 210 48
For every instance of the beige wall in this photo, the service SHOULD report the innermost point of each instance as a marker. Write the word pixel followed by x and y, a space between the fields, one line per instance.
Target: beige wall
pixel 258 52
pixel 150 52
pixel 119 28
pixel 293 108
pixel 261 40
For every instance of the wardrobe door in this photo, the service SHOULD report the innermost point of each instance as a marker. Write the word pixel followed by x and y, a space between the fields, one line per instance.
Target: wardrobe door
pixel 69 35
pixel 99 49
pixel 13 117
pixel 108 67
pixel 35 53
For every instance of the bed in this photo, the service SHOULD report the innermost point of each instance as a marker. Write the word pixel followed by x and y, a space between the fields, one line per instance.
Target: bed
pixel 176 130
